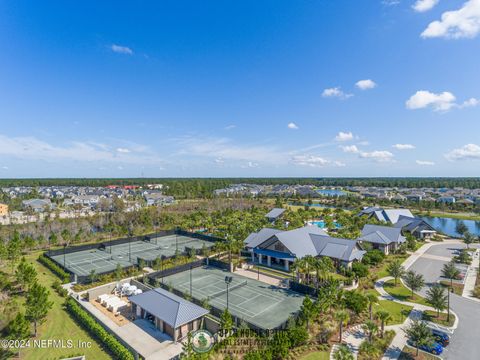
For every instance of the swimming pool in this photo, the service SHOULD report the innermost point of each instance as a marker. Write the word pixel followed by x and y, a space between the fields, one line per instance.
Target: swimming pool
pixel 321 224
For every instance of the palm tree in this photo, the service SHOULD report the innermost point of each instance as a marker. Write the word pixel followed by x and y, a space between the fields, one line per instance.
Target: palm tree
pixel 396 270
pixel 342 317
pixel 343 353
pixel 370 328
pixel 371 299
pixel 419 334
pixel 383 316
pixel 413 280
pixel 437 298
pixel 450 271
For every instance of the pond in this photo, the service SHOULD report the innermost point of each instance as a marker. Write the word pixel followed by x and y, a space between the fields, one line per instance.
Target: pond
pixel 331 192
pixel 448 225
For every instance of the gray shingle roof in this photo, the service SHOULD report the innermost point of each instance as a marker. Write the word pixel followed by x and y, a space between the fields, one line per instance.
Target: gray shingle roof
pixel 393 214
pixel 381 234
pixel 168 307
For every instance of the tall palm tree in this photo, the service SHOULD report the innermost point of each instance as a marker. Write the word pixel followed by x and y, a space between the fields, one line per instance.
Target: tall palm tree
pixel 383 316
pixel 371 299
pixel 342 317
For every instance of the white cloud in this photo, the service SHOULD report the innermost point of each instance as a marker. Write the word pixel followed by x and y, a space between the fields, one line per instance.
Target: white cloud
pixel 390 2
pixel 350 149
pixel 251 164
pixel 219 161
pixel 365 84
pixel 123 150
pixel 364 143
pixel 5 167
pixel 425 163
pixel 424 5
pixel 403 146
pixel 292 126
pixel 230 127
pixel 121 49
pixel 469 151
pixel 438 102
pixel 227 150
pixel 461 23
pixel 35 149
pixel 335 92
pixel 344 136
pixel 378 156
pixel 315 161
pixel 120 167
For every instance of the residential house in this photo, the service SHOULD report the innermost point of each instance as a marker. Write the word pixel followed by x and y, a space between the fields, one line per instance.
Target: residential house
pixel 158 199
pixel 38 205
pixel 446 199
pixel 277 248
pixel 384 238
pixel 168 312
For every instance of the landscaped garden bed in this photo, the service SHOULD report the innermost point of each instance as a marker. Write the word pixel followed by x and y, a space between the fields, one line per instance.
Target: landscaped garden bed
pixel 402 293
pixel 429 315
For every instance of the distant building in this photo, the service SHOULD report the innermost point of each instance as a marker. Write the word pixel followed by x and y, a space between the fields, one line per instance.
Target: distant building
pixel 274 214
pixel 385 215
pixel 3 209
pixel 38 205
pixel 416 226
pixel 446 200
pixel 158 199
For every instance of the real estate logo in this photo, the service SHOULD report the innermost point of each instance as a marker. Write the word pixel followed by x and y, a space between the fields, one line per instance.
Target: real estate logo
pixel 202 341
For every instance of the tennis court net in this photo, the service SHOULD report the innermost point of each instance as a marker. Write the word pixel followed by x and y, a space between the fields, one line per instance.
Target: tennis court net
pixel 220 293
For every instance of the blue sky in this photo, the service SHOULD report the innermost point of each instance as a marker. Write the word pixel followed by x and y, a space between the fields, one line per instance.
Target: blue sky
pixel 239 88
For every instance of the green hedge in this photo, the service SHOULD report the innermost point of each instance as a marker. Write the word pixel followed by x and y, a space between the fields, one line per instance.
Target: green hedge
pixel 55 268
pixel 88 322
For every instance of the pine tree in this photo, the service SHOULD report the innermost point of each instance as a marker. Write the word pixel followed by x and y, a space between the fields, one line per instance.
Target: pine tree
pixel 37 305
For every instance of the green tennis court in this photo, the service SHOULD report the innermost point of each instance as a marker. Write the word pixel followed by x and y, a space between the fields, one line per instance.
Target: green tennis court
pixel 266 306
pixel 104 260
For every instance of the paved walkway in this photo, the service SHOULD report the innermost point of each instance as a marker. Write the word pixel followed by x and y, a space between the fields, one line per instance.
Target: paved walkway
pixel 260 277
pixel 471 277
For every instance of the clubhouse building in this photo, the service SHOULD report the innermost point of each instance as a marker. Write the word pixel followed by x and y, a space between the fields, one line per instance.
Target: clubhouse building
pixel 277 248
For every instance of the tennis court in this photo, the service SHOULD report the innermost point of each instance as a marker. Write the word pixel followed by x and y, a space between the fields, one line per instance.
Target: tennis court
pixel 105 259
pixel 261 304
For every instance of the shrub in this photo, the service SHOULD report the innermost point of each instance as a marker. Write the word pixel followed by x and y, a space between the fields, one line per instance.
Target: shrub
pixel 373 257
pixel 88 322
pixel 360 270
pixel 55 268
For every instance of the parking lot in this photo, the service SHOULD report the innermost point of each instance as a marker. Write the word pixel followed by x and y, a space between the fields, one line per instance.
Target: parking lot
pixel 463 343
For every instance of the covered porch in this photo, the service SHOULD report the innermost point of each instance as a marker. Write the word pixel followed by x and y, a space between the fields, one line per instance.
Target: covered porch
pixel 272 258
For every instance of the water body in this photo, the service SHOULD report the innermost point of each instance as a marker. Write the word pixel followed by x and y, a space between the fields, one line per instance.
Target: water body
pixel 321 224
pixel 332 192
pixel 448 225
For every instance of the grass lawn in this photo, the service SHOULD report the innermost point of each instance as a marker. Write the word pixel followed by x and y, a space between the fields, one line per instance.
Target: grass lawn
pixel 408 353
pixel 457 288
pixel 316 355
pixel 381 270
pixel 429 315
pixel 402 293
pixel 398 312
pixel 59 325
pixel 453 215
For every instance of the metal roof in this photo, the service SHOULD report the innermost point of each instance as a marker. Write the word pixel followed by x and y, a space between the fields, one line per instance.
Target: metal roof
pixel 275 213
pixel 393 214
pixel 337 248
pixel 255 239
pixel 381 234
pixel 299 241
pixel 168 307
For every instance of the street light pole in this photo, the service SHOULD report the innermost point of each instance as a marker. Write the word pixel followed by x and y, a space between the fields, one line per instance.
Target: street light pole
pixel 190 280
pixel 228 280
pixel 448 305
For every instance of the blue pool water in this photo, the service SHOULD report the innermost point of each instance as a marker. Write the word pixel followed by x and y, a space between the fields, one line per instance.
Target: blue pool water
pixel 331 192
pixel 321 224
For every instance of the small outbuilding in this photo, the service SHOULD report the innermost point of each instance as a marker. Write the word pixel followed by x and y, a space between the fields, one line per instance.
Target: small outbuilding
pixel 168 312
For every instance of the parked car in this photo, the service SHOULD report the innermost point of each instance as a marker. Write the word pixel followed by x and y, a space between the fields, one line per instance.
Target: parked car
pixel 441 337
pixel 434 348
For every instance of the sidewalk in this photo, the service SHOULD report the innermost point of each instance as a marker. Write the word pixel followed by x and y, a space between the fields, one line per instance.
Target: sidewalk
pixel 471 277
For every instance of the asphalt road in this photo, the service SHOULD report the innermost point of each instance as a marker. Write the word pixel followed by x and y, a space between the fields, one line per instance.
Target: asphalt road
pixel 464 344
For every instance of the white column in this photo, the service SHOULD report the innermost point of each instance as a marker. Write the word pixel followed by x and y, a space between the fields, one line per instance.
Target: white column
pixel 259 258
pixel 269 260
pixel 253 256
pixel 286 265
